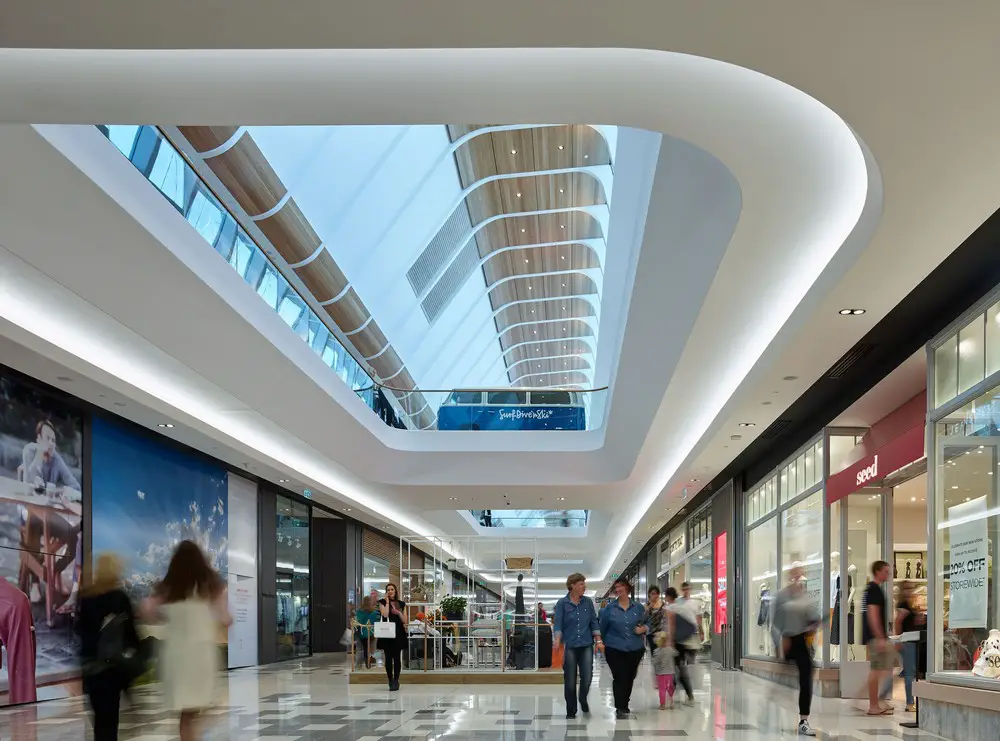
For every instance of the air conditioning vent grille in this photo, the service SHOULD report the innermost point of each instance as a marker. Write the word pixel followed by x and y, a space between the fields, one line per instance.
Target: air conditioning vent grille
pixel 775 428
pixel 850 358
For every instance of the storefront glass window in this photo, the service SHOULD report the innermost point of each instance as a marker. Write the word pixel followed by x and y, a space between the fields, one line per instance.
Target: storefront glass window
pixel 838 582
pixel 971 354
pixel 700 576
pixel 946 371
pixel 966 539
pixel 292 579
pixel 802 545
pixel 376 575
pixel 762 586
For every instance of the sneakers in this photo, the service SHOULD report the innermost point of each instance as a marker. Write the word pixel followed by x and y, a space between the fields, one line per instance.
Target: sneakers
pixel 689 702
pixel 622 715
pixel 663 706
pixel 805 729
pixel 584 707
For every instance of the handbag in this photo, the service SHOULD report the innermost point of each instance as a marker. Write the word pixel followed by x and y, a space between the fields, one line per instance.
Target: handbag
pixel 385 629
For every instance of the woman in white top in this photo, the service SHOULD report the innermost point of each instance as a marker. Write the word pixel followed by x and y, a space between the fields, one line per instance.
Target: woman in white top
pixel 191 602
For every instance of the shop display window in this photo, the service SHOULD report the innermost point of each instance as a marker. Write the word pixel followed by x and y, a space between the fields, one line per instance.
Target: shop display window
pixel 762 586
pixel 839 587
pixel 292 584
pixel 763 500
pixel 376 574
pixel 966 602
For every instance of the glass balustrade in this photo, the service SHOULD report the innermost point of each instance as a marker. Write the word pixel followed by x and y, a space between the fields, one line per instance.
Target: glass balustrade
pixel 538 518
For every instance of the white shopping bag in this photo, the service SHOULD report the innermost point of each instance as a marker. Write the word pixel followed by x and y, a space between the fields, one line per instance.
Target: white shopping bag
pixel 385 629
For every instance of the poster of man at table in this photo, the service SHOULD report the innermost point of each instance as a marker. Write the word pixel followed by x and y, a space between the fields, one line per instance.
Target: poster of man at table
pixel 41 469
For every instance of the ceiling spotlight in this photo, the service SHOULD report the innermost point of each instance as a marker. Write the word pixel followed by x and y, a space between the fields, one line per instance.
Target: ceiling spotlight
pixel 748 424
pixel 454 499
pixel 562 226
pixel 790 378
pixel 586 156
pixel 851 312
pixel 347 509
pixel 562 257
pixel 561 147
pixel 282 481
pixel 694 481
pixel 561 499
pixel 518 195
pixel 529 288
pixel 913 499
pixel 561 190
pixel 168 425
pixel 563 285
pixel 513 151
pixel 525 261
pixel 522 230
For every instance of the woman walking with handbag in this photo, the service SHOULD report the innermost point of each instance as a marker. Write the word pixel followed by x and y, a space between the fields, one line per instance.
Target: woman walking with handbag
pixel 392 640
pixel 365 617
pixel 109 646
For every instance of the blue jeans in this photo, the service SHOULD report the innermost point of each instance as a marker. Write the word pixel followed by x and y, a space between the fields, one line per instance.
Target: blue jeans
pixel 909 655
pixel 582 659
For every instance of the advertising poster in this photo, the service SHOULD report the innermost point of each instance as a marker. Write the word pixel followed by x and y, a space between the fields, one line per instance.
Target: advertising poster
pixel 721 593
pixel 41 470
pixel 969 553
pixel 242 572
pixel 147 497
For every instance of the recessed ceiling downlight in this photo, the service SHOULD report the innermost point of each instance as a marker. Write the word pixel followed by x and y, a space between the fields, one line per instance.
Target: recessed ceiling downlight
pixel 748 424
pixel 168 425
pixel 851 312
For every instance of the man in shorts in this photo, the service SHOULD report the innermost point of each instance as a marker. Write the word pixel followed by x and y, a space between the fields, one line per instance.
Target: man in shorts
pixel 881 655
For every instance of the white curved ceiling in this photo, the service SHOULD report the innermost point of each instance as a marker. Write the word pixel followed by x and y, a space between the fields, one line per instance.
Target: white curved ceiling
pixel 803 190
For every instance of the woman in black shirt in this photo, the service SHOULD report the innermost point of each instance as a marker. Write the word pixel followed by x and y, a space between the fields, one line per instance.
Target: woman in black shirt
pixel 109 645
pixel 391 608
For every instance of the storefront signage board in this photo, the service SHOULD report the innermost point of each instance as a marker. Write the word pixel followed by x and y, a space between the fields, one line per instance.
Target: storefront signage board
pixel 721 586
pixel 969 553
pixel 898 452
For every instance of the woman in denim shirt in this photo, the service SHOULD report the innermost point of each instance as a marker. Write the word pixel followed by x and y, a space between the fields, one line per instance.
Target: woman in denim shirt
pixel 623 625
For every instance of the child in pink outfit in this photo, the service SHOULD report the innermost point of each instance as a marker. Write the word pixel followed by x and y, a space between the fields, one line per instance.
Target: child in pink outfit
pixel 664 668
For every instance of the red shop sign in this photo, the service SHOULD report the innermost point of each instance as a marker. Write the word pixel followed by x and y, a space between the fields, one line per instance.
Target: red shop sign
pixel 898 452
pixel 720 582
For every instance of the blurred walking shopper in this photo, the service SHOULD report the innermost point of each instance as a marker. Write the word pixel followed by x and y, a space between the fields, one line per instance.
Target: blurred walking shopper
pixel 623 625
pixel 907 621
pixel 191 602
pixel 575 626
pixel 393 609
pixel 881 656
pixel 664 668
pixel 109 645
pixel 795 620
pixel 683 631
pixel 365 617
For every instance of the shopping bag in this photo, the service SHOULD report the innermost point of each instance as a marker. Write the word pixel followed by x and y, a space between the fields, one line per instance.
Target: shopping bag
pixel 347 639
pixel 385 629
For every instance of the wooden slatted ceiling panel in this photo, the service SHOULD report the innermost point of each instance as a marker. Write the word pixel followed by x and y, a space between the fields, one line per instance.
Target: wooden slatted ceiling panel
pixel 537 229
pixel 529 368
pixel 248 176
pixel 530 150
pixel 323 278
pixel 255 185
pixel 534 260
pixel 579 379
pixel 370 340
pixel 534 193
pixel 204 138
pixel 541 311
pixel 547 349
pixel 348 311
pixel 545 332
pixel 525 289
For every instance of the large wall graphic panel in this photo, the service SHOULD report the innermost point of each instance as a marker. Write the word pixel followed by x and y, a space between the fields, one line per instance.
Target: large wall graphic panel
pixel 41 546
pixel 147 497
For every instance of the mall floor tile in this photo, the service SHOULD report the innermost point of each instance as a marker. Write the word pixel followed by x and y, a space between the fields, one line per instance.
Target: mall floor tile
pixel 311 700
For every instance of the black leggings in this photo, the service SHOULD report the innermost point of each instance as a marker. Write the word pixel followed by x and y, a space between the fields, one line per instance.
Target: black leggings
pixel 105 701
pixel 685 656
pixel 623 665
pixel 393 662
pixel 798 654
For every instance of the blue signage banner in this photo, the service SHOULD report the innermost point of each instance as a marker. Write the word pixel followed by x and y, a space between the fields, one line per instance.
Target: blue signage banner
pixel 511 418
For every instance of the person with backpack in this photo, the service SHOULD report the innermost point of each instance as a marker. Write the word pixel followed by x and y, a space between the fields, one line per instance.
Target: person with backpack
pixel 682 627
pixel 109 645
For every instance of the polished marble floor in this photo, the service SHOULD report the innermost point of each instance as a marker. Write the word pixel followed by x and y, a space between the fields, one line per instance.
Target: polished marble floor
pixel 311 699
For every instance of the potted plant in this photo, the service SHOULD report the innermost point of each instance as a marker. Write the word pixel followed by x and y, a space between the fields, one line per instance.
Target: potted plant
pixel 453 607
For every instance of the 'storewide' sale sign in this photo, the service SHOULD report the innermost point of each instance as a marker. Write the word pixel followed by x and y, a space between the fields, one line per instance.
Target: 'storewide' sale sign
pixel 967 572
